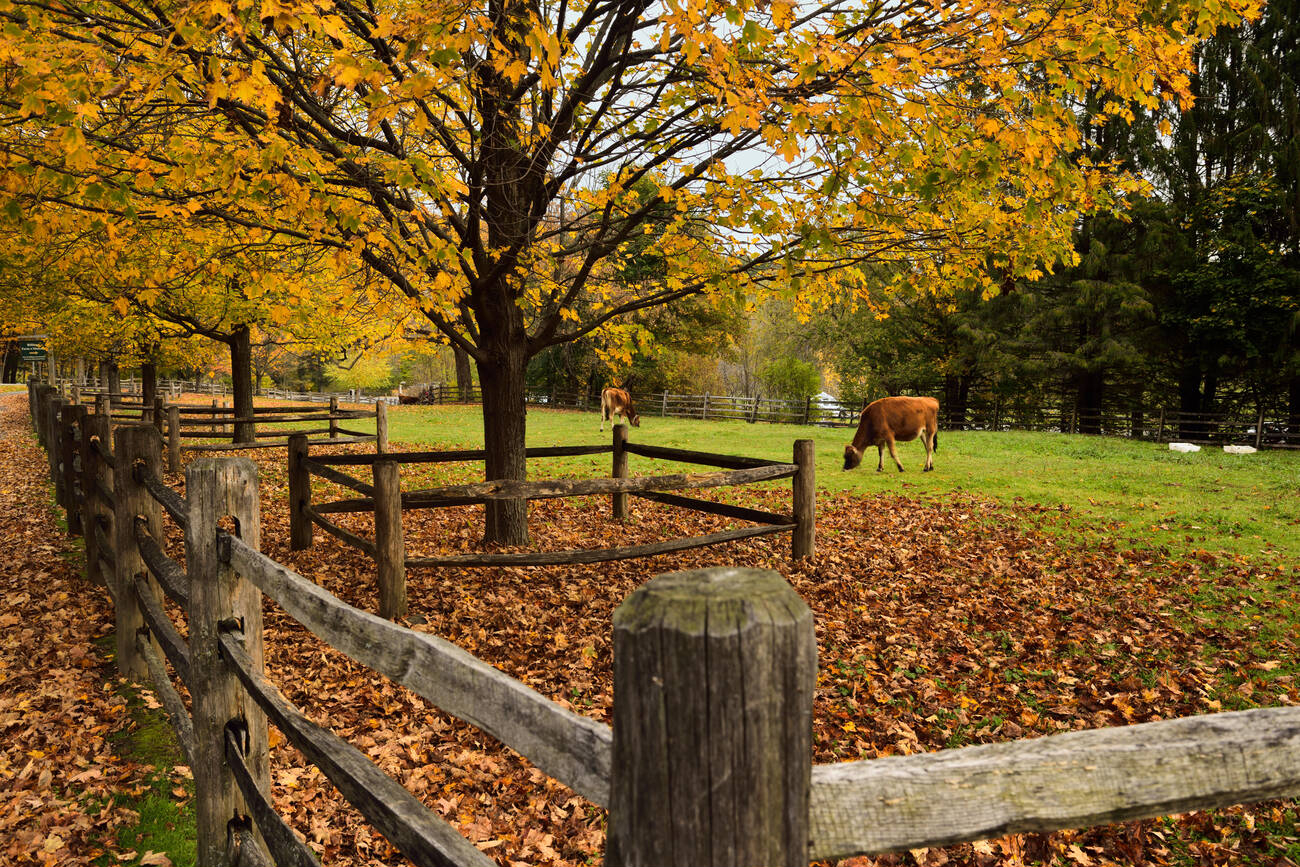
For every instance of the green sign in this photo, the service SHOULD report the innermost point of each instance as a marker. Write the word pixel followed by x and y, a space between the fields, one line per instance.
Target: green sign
pixel 32 350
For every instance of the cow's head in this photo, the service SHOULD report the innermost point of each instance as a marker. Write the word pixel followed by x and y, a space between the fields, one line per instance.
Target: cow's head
pixel 852 457
pixel 633 418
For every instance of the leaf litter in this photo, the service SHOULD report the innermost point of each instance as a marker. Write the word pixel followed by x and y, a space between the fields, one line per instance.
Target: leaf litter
pixel 939 624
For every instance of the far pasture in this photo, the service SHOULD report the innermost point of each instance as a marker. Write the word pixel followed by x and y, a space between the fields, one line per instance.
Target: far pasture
pixel 1107 490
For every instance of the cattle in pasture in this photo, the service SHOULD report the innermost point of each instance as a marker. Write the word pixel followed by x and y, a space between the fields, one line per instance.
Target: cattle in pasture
pixel 892 419
pixel 616 401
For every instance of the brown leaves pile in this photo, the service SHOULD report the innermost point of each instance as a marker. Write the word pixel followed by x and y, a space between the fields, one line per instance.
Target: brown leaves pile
pixel 939 624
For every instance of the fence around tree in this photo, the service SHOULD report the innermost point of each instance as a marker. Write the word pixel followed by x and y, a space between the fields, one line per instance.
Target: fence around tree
pixel 384 498
pixel 708 760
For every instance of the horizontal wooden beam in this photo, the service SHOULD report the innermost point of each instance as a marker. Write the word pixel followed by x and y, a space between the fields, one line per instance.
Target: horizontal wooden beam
pixel 411 827
pixel 457 456
pixel 170 574
pixel 332 475
pixel 169 639
pixel 596 555
pixel 735 462
pixel 339 533
pixel 1073 780
pixel 571 748
pixel 285 848
pixel 727 510
pixel 171 700
pixel 170 499
pixel 230 447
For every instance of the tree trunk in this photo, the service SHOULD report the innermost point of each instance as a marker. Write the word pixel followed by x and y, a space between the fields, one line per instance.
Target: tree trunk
pixel 1090 385
pixel 1293 410
pixel 113 377
pixel 148 382
pixel 11 361
pixel 504 422
pixel 1189 397
pixel 464 376
pixel 241 376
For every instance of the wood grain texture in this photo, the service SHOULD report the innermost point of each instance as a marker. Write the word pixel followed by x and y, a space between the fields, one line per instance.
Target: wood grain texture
pixel 573 749
pixel 95 477
pixel 733 462
pixel 139 450
pixel 175 583
pixel 338 478
pixel 714 671
pixel 381 427
pixel 285 849
pixel 390 547
pixel 396 813
pixel 619 470
pixel 217 489
pixel 173 439
pixel 163 631
pixel 70 436
pixel 230 447
pixel 509 489
pixel 300 525
pixel 168 498
pixel 804 500
pixel 454 456
pixel 170 698
pixel 709 507
pixel 1072 780
pixel 597 555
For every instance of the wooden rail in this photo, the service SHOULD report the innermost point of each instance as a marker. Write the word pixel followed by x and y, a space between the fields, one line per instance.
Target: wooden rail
pixel 710 752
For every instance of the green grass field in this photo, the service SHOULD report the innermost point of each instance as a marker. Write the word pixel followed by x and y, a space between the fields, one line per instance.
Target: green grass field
pixel 1132 492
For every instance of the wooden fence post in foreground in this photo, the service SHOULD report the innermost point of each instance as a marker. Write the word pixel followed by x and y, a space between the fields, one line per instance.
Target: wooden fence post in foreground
pixel 219 599
pixel 71 445
pixel 714 672
pixel 299 494
pixel 173 439
pixel 139 449
pixel 381 426
pixel 618 502
pixel 804 500
pixel 334 422
pixel 390 546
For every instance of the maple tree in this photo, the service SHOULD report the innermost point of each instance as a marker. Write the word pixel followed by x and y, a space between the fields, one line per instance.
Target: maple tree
pixel 462 150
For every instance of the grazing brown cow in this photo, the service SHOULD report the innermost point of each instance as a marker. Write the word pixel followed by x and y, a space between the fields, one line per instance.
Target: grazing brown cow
pixel 616 401
pixel 895 418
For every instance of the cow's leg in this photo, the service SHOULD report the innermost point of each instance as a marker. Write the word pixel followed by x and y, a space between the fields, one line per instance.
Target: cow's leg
pixel 893 453
pixel 880 459
pixel 928 437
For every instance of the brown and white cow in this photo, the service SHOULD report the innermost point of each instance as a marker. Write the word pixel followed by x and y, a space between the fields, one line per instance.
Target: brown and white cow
pixel 616 401
pixel 893 419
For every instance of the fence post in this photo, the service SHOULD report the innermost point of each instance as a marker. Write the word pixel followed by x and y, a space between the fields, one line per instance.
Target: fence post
pixel 94 472
pixel 704 410
pixel 138 450
pixel 753 411
pixel 54 443
pixel 618 502
pixel 70 421
pixel 104 406
pixel 300 527
pixel 390 547
pixel 1160 430
pixel 159 413
pixel 663 407
pixel 381 426
pixel 334 422
pixel 221 599
pixel 214 416
pixel 1259 430
pixel 714 672
pixel 804 499
pixel 173 439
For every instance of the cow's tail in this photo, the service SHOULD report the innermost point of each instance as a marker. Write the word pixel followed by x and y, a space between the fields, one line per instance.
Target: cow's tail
pixel 934 441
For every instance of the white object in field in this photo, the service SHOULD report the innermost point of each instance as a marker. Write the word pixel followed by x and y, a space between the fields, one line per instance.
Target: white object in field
pixel 1184 447
pixel 1239 450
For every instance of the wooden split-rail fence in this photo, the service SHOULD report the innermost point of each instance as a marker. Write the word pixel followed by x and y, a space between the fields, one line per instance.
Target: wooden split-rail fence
pixel 708 760
pixel 383 497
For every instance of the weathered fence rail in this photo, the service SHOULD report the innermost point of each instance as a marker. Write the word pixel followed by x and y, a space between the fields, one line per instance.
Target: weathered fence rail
pixel 384 498
pixel 708 760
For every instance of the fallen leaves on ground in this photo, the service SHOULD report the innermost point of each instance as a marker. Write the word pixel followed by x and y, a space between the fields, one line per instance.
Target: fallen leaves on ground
pixel 939 624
